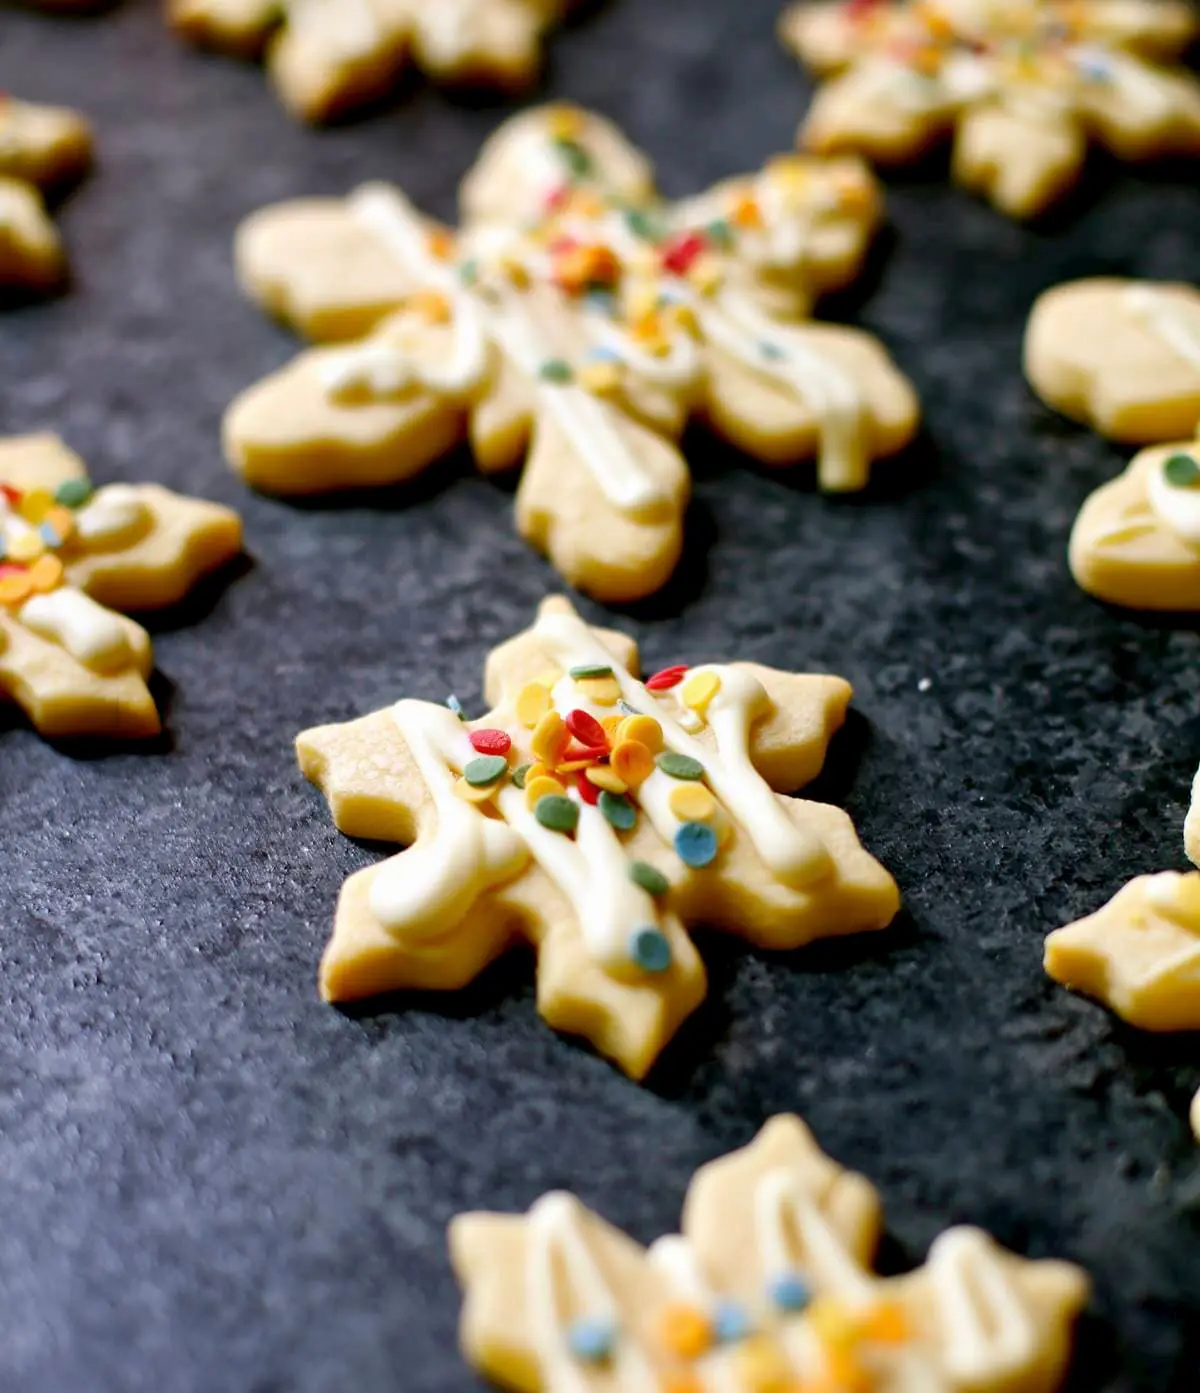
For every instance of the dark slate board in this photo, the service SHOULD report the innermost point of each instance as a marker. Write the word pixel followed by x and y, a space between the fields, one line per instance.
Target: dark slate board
pixel 209 1181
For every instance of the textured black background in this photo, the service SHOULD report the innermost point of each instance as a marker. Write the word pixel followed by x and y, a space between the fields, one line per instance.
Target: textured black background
pixel 209 1181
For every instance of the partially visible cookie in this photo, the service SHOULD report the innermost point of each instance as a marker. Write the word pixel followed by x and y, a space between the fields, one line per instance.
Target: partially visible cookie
pixel 72 559
pixel 768 1289
pixel 1019 86
pixel 41 148
pixel 1122 356
pixel 327 58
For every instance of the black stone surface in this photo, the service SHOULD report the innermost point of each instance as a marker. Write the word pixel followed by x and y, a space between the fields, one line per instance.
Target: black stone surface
pixel 209 1181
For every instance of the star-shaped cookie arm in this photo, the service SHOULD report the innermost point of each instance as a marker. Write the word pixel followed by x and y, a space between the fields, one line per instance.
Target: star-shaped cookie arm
pixel 238 27
pixel 836 1211
pixel 1139 954
pixel 329 59
pixel 1191 825
pixel 610 548
pixel 527 1280
pixel 519 660
pixel 788 744
pixel 1122 552
pixel 31 252
pixel 1144 111
pixel 1155 30
pixel 43 145
pixel 822 36
pixel 817 390
pixel 320 268
pixel 861 110
pixel 498 45
pixel 1021 160
pixel 1106 351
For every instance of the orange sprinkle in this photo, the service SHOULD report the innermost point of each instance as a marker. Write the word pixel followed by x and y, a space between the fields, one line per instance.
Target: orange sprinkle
pixel 632 763
pixel 441 243
pixel 644 729
pixel 46 574
pixel 15 589
pixel 746 212
pixel 887 1324
pixel 431 305
pixel 685 1331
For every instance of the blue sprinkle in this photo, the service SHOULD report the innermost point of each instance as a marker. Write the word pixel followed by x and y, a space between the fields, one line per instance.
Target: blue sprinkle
pixel 771 350
pixel 650 949
pixel 789 1292
pixel 603 303
pixel 601 354
pixel 456 706
pixel 730 1323
pixel 592 1341
pixel 626 710
pixel 696 844
pixel 49 535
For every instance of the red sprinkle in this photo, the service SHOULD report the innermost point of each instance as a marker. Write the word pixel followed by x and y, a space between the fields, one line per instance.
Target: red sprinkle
pixel 491 742
pixel 11 569
pixel 577 751
pixel 587 790
pixel 666 679
pixel 555 199
pixel 681 251
pixel 587 730
pixel 13 495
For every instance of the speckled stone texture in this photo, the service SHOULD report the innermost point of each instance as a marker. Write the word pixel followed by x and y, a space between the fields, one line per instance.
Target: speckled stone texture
pixel 211 1183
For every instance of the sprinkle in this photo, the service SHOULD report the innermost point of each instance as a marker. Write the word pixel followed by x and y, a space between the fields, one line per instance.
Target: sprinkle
pixel 632 762
pixel 15 587
pixel 542 786
pixel 692 802
pixel 730 1323
pixel 682 1382
pixel 649 877
pixel 557 812
pixel 532 704
pixel 720 234
pixel 551 738
pixel 35 505
pixel 592 1341
pixel 680 766
pixel 485 770
pixel 685 1331
pixel 602 776
pixel 618 811
pixel 46 574
pixel 456 706
pixel 587 730
pixel 886 1324
pixel 601 691
pixel 666 679
pixel 588 791
pixel 832 1323
pixel 611 725
pixel 770 351
pixel 491 742
pixel 650 949
pixel 26 546
pixel 564 121
pixel 556 370
pixel 645 730
pixel 473 793
pixel 578 674
pixel 468 272
pixel 681 252
pixel 696 845
pixel 577 159
pixel 642 225
pixel 520 774
pixel 1182 471
pixel 73 493
pixel 789 1292
pixel 761 1367
pixel 600 378
pixel 624 707
pixel 699 690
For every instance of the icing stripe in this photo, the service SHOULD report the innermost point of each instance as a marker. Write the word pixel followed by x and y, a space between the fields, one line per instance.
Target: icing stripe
pixel 88 631
pixel 987 1334
pixel 1176 324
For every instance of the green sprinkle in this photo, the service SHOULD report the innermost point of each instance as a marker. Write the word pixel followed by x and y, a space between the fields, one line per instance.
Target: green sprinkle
pixel 556 370
pixel 720 234
pixel 680 766
pixel 581 674
pixel 468 272
pixel 520 774
pixel 485 770
pixel 73 493
pixel 642 225
pixel 557 813
pixel 649 877
pixel 1182 471
pixel 577 159
pixel 618 811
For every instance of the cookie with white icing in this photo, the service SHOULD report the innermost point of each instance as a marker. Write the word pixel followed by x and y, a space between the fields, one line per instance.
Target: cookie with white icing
pixel 1019 87
pixel 41 148
pixel 597 818
pixel 1122 356
pixel 579 320
pixel 73 559
pixel 769 1286
pixel 328 58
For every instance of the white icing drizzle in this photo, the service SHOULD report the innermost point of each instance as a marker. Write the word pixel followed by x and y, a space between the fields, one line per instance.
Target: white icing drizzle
pixel 348 30
pixel 783 1202
pixel 1163 894
pixel 1178 509
pixel 794 856
pixel 88 631
pixel 529 341
pixel 1175 323
pixel 1139 85
pixel 110 515
pixel 987 1335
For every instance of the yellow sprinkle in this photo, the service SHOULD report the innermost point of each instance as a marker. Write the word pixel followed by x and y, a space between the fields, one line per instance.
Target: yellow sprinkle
pixel 611 725
pixel 25 546
pixel 706 274
pixel 832 1323
pixel 15 589
pixel 606 778
pixel 642 304
pixel 537 789
pixel 62 520
pixel 550 738
pixel 573 766
pixel 699 690
pixel 792 173
pixel 532 704
pixel 603 691
pixel 692 802
pixel 46 574
pixel 565 122
pixel 430 305
pixel 469 794
pixel 632 762
pixel 762 1368
pixel 34 505
pixel 644 729
pixel 516 271
pixel 601 378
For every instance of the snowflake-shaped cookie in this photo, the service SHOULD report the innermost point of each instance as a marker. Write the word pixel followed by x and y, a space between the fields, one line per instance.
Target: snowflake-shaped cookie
pixel 1021 86
pixel 327 58
pixel 71 558
pixel 595 817
pixel 578 320
pixel 41 147
pixel 768 1289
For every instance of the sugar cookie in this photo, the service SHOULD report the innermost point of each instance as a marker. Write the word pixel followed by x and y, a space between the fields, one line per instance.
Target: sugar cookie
pixel 768 1289
pixel 556 819
pixel 1020 86
pixel 577 320
pixel 71 556
pixel 327 58
pixel 41 147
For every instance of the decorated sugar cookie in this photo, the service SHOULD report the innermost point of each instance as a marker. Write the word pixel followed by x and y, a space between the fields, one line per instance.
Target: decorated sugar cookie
pixel 576 322
pixel 1136 541
pixel 768 1289
pixel 1020 86
pixel 327 58
pixel 1139 955
pixel 1122 356
pixel 41 147
pixel 72 557
pixel 596 817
